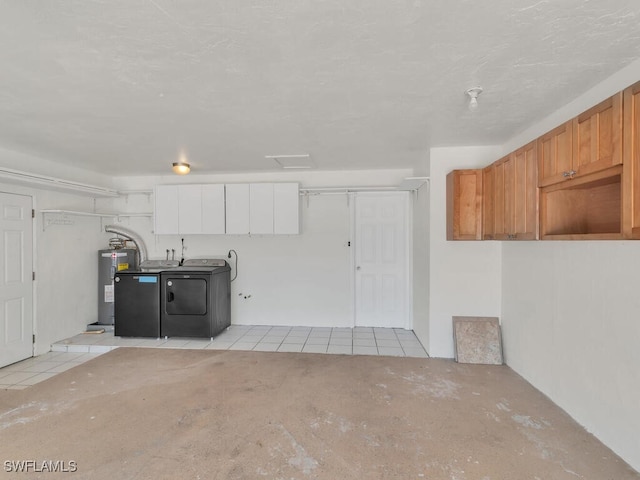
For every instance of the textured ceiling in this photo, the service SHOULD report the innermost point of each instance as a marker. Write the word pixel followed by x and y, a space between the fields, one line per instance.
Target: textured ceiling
pixel 124 86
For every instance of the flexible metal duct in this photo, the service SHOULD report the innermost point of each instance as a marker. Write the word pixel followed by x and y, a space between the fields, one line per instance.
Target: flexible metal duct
pixel 141 254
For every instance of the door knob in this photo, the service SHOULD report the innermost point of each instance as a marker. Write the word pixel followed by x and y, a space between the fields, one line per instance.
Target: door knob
pixel 358 267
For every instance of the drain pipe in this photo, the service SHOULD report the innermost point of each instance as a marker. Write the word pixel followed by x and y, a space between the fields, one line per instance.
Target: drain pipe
pixel 141 253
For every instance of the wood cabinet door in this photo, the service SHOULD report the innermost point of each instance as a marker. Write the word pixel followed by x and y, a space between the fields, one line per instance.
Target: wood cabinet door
pixel 597 137
pixel 488 207
pixel 500 231
pixel 631 167
pixel 554 152
pixel 525 193
pixel 464 205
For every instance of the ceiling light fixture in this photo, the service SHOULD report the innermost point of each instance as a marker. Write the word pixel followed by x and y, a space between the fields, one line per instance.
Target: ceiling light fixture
pixel 473 97
pixel 181 168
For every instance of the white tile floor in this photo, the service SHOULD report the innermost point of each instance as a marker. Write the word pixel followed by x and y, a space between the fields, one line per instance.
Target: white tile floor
pixel 346 341
pixel 33 370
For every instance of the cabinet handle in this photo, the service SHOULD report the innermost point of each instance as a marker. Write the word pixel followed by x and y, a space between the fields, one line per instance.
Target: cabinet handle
pixel 569 174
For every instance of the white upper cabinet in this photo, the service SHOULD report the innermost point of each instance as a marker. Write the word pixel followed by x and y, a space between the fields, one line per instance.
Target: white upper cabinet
pixel 237 208
pixel 213 209
pixel 286 208
pixel 166 209
pixel 189 209
pixel 261 208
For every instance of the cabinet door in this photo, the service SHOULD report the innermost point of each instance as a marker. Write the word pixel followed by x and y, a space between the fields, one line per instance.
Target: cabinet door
pixel 488 206
pixel 631 167
pixel 554 151
pixel 525 193
pixel 213 209
pixel 237 208
pixel 500 231
pixel 166 209
pixel 261 208
pixel 597 137
pixel 286 208
pixel 509 196
pixel 189 209
pixel 464 205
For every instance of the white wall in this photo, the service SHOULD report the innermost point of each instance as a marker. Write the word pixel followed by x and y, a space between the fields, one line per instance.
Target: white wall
pixel 570 326
pixel 292 279
pixel 464 277
pixel 65 262
pixel 570 313
pixel 421 295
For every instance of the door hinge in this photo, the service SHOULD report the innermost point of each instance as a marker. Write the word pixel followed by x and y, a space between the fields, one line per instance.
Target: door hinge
pixel 34 338
pixel 33 213
pixel 33 276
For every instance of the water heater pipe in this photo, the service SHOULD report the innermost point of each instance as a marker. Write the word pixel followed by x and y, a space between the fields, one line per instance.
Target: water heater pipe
pixel 141 254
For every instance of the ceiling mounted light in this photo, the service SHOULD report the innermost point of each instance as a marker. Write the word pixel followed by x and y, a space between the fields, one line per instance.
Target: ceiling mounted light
pixel 473 97
pixel 181 168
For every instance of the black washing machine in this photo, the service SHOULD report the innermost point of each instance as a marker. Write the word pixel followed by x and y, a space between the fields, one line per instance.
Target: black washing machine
pixel 137 304
pixel 195 299
pixel 137 299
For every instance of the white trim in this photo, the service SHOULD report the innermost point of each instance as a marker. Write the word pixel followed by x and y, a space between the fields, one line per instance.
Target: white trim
pixel 53 183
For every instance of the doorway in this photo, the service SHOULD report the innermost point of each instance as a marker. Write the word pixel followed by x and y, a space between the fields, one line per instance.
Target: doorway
pixel 381 260
pixel 16 281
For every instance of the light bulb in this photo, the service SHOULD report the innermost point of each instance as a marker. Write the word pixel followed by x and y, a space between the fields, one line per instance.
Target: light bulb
pixel 473 104
pixel 181 168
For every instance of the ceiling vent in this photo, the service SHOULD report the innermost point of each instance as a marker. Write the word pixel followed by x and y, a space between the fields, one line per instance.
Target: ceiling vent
pixel 293 162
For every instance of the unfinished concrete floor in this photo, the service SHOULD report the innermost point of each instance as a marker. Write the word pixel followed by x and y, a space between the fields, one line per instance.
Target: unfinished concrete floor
pixel 138 413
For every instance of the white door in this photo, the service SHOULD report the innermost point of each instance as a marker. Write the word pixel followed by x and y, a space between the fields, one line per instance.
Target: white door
pixel 381 260
pixel 16 289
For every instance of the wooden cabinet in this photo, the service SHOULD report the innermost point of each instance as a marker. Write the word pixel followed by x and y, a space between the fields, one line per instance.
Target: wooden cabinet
pixel 589 143
pixel 584 208
pixel 510 197
pixel 499 225
pixel 580 181
pixel 555 155
pixel 488 203
pixel 631 167
pixel 464 205
pixel 586 201
pixel 525 193
pixel 597 137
